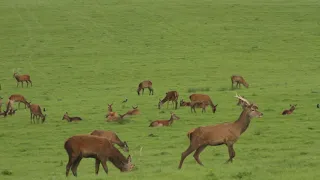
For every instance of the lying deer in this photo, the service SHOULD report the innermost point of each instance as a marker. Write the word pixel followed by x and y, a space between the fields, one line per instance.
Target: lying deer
pixel 22 78
pixel 215 135
pixel 70 119
pixel 170 96
pixel 20 99
pixel 159 123
pixel 184 103
pixel 239 80
pixel 112 116
pixel 290 111
pixel 113 137
pixel 99 148
pixel 35 111
pixel 205 98
pixel 143 85
pixel 199 104
pixel 12 112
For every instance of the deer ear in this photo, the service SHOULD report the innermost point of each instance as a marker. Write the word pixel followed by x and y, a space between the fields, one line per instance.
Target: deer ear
pixel 129 158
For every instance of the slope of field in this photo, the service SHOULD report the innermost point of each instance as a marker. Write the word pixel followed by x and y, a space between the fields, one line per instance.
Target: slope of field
pixel 82 55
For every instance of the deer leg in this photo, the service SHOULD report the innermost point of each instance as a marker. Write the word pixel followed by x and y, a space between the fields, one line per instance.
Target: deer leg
pixel 142 90
pixel 27 83
pixel 197 154
pixel 75 166
pixel 185 154
pixel 30 82
pixel 232 153
pixel 72 159
pixel 97 165
pixel 104 165
pixel 17 84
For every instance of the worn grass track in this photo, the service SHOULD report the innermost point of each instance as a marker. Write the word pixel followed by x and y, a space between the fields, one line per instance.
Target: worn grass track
pixel 82 55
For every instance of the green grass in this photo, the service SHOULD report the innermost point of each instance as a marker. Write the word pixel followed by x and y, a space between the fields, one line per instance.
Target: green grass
pixel 82 55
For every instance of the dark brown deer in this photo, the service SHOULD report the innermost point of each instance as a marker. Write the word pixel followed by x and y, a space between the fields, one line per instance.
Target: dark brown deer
pixel 205 98
pixel 22 78
pixel 289 111
pixel 113 137
pixel 199 104
pixel 170 96
pixel 239 80
pixel 159 123
pixel 184 103
pixel 35 111
pixel 215 135
pixel 70 119
pixel 20 99
pixel 143 85
pixel 99 148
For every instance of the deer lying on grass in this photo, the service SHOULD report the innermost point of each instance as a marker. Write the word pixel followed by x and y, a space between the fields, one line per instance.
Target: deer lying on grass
pixel 113 137
pixel 205 98
pixel 143 85
pixel 90 146
pixel 170 96
pixel 21 99
pixel 289 111
pixel 199 104
pixel 184 103
pixel 22 78
pixel 159 123
pixel 35 111
pixel 215 135
pixel 70 119
pixel 239 80
pixel 133 111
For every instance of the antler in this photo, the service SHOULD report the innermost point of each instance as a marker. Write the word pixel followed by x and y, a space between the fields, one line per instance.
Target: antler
pixel 243 99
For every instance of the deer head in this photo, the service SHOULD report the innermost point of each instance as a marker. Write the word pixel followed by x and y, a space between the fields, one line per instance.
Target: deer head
pixel 125 146
pixel 214 108
pixel 253 112
pixel 293 107
pixel 127 166
pixel 134 107
pixel 65 116
pixel 174 116
pixel 181 102
pixel 110 107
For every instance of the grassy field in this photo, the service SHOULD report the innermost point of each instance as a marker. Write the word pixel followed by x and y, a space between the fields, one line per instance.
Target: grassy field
pixel 82 55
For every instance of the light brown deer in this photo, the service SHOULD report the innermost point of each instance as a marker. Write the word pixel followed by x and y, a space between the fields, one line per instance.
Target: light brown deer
pixel 289 111
pixel 22 78
pixel 184 103
pixel 20 99
pixel 112 116
pixel 205 98
pixel 159 123
pixel 9 107
pixel 70 119
pixel 113 137
pixel 215 135
pixel 145 84
pixel 170 96
pixel 35 111
pixel 199 104
pixel 133 111
pixel 99 148
pixel 239 80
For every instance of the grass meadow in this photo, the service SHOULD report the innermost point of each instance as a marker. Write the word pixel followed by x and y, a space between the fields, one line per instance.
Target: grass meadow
pixel 82 55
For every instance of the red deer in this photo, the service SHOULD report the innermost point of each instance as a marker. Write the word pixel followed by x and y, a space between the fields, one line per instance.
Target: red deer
pixel 113 137
pixel 158 123
pixel 99 148
pixel 199 104
pixel 143 85
pixel 21 99
pixel 112 116
pixel 133 111
pixel 35 111
pixel 70 119
pixel 244 103
pixel 239 80
pixel 9 107
pixel 290 111
pixel 184 103
pixel 170 96
pixel 22 78
pixel 215 135
pixel 203 97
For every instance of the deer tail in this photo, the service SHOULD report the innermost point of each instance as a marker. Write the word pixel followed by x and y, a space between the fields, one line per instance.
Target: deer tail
pixel 189 134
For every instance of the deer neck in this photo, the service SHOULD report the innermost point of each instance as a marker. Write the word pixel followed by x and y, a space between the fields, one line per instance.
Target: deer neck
pixel 118 159
pixel 242 123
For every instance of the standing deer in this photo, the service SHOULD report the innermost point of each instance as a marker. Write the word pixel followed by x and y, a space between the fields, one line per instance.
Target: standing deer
pixel 145 84
pixel 239 80
pixel 20 99
pixel 70 119
pixel 22 78
pixel 290 111
pixel 35 111
pixel 113 137
pixel 99 148
pixel 159 123
pixel 199 104
pixel 215 135
pixel 205 98
pixel 170 96
pixel 9 107
pixel 184 103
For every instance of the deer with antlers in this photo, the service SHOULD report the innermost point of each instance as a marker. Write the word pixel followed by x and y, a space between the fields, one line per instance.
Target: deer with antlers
pixel 244 103
pixel 22 78
pixel 170 96
pixel 238 80
pixel 145 84
pixel 159 123
pixel 203 98
pixel 289 111
pixel 215 135
pixel 113 116
pixel 20 99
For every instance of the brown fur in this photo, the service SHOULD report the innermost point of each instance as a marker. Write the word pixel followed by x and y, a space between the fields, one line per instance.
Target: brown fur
pixel 170 96
pixel 158 123
pixel 204 98
pixel 133 111
pixel 35 111
pixel 145 84
pixel 112 116
pixel 22 78
pixel 20 99
pixel 289 111
pixel 70 119
pixel 239 80
pixel 113 137
pixel 199 104
pixel 184 103
pixel 99 148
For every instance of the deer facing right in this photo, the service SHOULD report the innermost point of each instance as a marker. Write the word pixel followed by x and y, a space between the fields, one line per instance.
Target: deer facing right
pixel 289 111
pixel 159 123
pixel 145 84
pixel 238 80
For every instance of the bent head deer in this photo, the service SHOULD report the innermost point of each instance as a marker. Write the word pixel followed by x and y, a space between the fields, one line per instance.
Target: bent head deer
pixel 289 111
pixel 113 137
pixel 20 99
pixel 145 84
pixel 204 98
pixel 170 96
pixel 35 111
pixel 238 80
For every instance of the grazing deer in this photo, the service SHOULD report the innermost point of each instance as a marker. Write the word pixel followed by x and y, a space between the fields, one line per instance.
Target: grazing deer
pixel 184 103
pixel 143 85
pixel 199 104
pixel 113 137
pixel 239 80
pixel 170 96
pixel 35 111
pixel 9 107
pixel 290 111
pixel 159 123
pixel 21 99
pixel 215 135
pixel 205 98
pixel 70 119
pixel 99 148
pixel 22 78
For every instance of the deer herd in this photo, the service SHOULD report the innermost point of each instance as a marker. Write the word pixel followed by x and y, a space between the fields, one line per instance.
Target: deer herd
pixel 100 144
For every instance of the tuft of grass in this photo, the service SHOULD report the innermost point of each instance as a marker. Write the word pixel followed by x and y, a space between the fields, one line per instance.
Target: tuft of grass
pixel 242 175
pixel 6 172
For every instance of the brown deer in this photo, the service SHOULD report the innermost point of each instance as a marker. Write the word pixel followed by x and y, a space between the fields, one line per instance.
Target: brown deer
pixel 9 107
pixel 70 119
pixel 143 85
pixel 21 99
pixel 244 103
pixel 215 135
pixel 239 80
pixel 184 103
pixel 199 104
pixel 159 123
pixel 22 78
pixel 99 148
pixel 289 111
pixel 112 116
pixel 170 96
pixel 113 137
pixel 35 111
pixel 205 98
